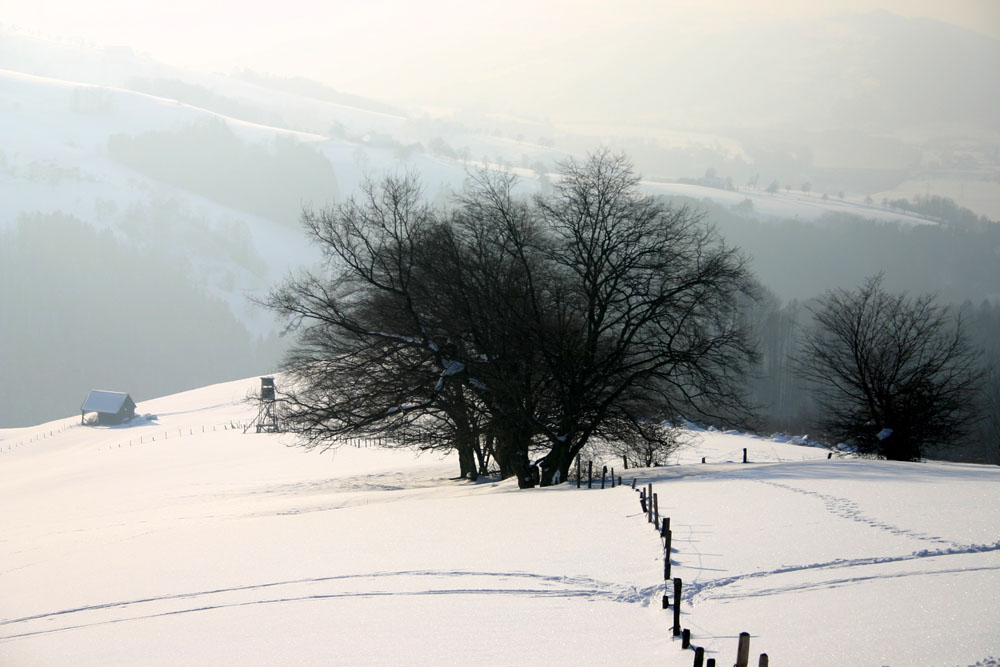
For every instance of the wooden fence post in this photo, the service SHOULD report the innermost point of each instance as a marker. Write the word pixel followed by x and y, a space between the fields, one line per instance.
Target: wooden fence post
pixel 744 455
pixel 710 662
pixel 578 473
pixel 666 556
pixel 743 650
pixel 612 478
pixel 604 475
pixel 699 657
pixel 677 607
pixel 633 483
pixel 649 503
pixel 642 500
pixel 590 474
pixel 656 511
pixel 763 660
pixel 686 638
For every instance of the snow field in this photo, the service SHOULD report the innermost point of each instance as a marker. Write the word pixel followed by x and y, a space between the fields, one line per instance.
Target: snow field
pixel 837 562
pixel 226 548
pixel 230 549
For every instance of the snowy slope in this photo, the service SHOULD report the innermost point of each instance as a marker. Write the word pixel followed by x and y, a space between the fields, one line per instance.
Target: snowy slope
pixel 208 546
pixel 785 205
pixel 54 157
pixel 54 134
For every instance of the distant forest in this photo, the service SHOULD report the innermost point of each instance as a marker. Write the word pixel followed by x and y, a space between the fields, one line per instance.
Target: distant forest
pixel 800 260
pixel 941 209
pixel 207 158
pixel 797 262
pixel 89 312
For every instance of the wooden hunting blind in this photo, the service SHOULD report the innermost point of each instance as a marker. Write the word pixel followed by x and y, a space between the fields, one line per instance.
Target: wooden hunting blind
pixel 267 414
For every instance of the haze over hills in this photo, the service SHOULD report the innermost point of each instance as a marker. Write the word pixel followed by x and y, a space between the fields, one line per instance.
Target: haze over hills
pixel 862 102
pixel 134 193
pixel 147 202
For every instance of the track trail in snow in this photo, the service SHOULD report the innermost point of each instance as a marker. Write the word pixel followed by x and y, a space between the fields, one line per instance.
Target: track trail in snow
pixel 363 585
pixel 710 589
pixel 713 589
pixel 848 509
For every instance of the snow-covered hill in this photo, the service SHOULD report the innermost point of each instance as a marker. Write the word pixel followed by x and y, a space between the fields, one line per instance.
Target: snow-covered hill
pixel 54 157
pixel 200 179
pixel 180 540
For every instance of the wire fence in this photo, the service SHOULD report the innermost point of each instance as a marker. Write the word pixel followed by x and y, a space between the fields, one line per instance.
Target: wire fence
pixel 673 587
pixel 144 438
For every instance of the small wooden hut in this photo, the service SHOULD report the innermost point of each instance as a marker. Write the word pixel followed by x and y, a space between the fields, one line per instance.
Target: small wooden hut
pixel 112 407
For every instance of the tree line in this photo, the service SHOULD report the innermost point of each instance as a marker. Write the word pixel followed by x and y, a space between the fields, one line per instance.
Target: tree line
pixel 517 330
pixel 208 158
pixel 81 308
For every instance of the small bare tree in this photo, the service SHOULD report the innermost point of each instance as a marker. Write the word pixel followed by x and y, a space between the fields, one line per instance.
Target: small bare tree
pixel 892 373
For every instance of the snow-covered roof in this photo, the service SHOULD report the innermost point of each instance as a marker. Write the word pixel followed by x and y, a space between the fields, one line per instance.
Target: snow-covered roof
pixel 104 401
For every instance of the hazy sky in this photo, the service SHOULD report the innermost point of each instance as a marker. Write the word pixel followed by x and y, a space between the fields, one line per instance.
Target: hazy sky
pixel 394 48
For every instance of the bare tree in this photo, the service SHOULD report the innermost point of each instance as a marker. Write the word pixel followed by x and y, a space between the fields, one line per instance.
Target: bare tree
pixel 365 362
pixel 647 312
pixel 892 373
pixel 516 327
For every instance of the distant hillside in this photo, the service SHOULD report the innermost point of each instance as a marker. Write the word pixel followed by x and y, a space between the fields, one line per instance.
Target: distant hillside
pixel 189 187
pixel 315 90
pixel 82 310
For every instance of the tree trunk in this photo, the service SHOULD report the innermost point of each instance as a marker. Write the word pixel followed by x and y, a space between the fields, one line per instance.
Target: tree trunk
pixel 467 460
pixel 556 464
pixel 513 445
pixel 465 440
pixel 900 446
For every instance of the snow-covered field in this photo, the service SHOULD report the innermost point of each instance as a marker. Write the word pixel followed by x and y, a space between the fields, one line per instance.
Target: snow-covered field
pixel 206 546
pixel 785 204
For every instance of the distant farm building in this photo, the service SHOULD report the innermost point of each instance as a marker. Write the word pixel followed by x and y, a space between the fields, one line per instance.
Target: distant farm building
pixel 112 407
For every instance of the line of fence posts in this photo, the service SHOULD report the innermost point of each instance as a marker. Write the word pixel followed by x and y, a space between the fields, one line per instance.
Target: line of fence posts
pixel 180 433
pixel 616 479
pixel 649 501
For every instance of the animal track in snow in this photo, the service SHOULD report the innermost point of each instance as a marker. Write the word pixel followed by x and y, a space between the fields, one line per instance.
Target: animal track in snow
pixel 521 584
pixel 708 589
pixel 848 509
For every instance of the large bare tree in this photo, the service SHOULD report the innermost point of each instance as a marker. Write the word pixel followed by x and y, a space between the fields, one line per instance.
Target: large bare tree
pixel 893 373
pixel 647 312
pixel 522 328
